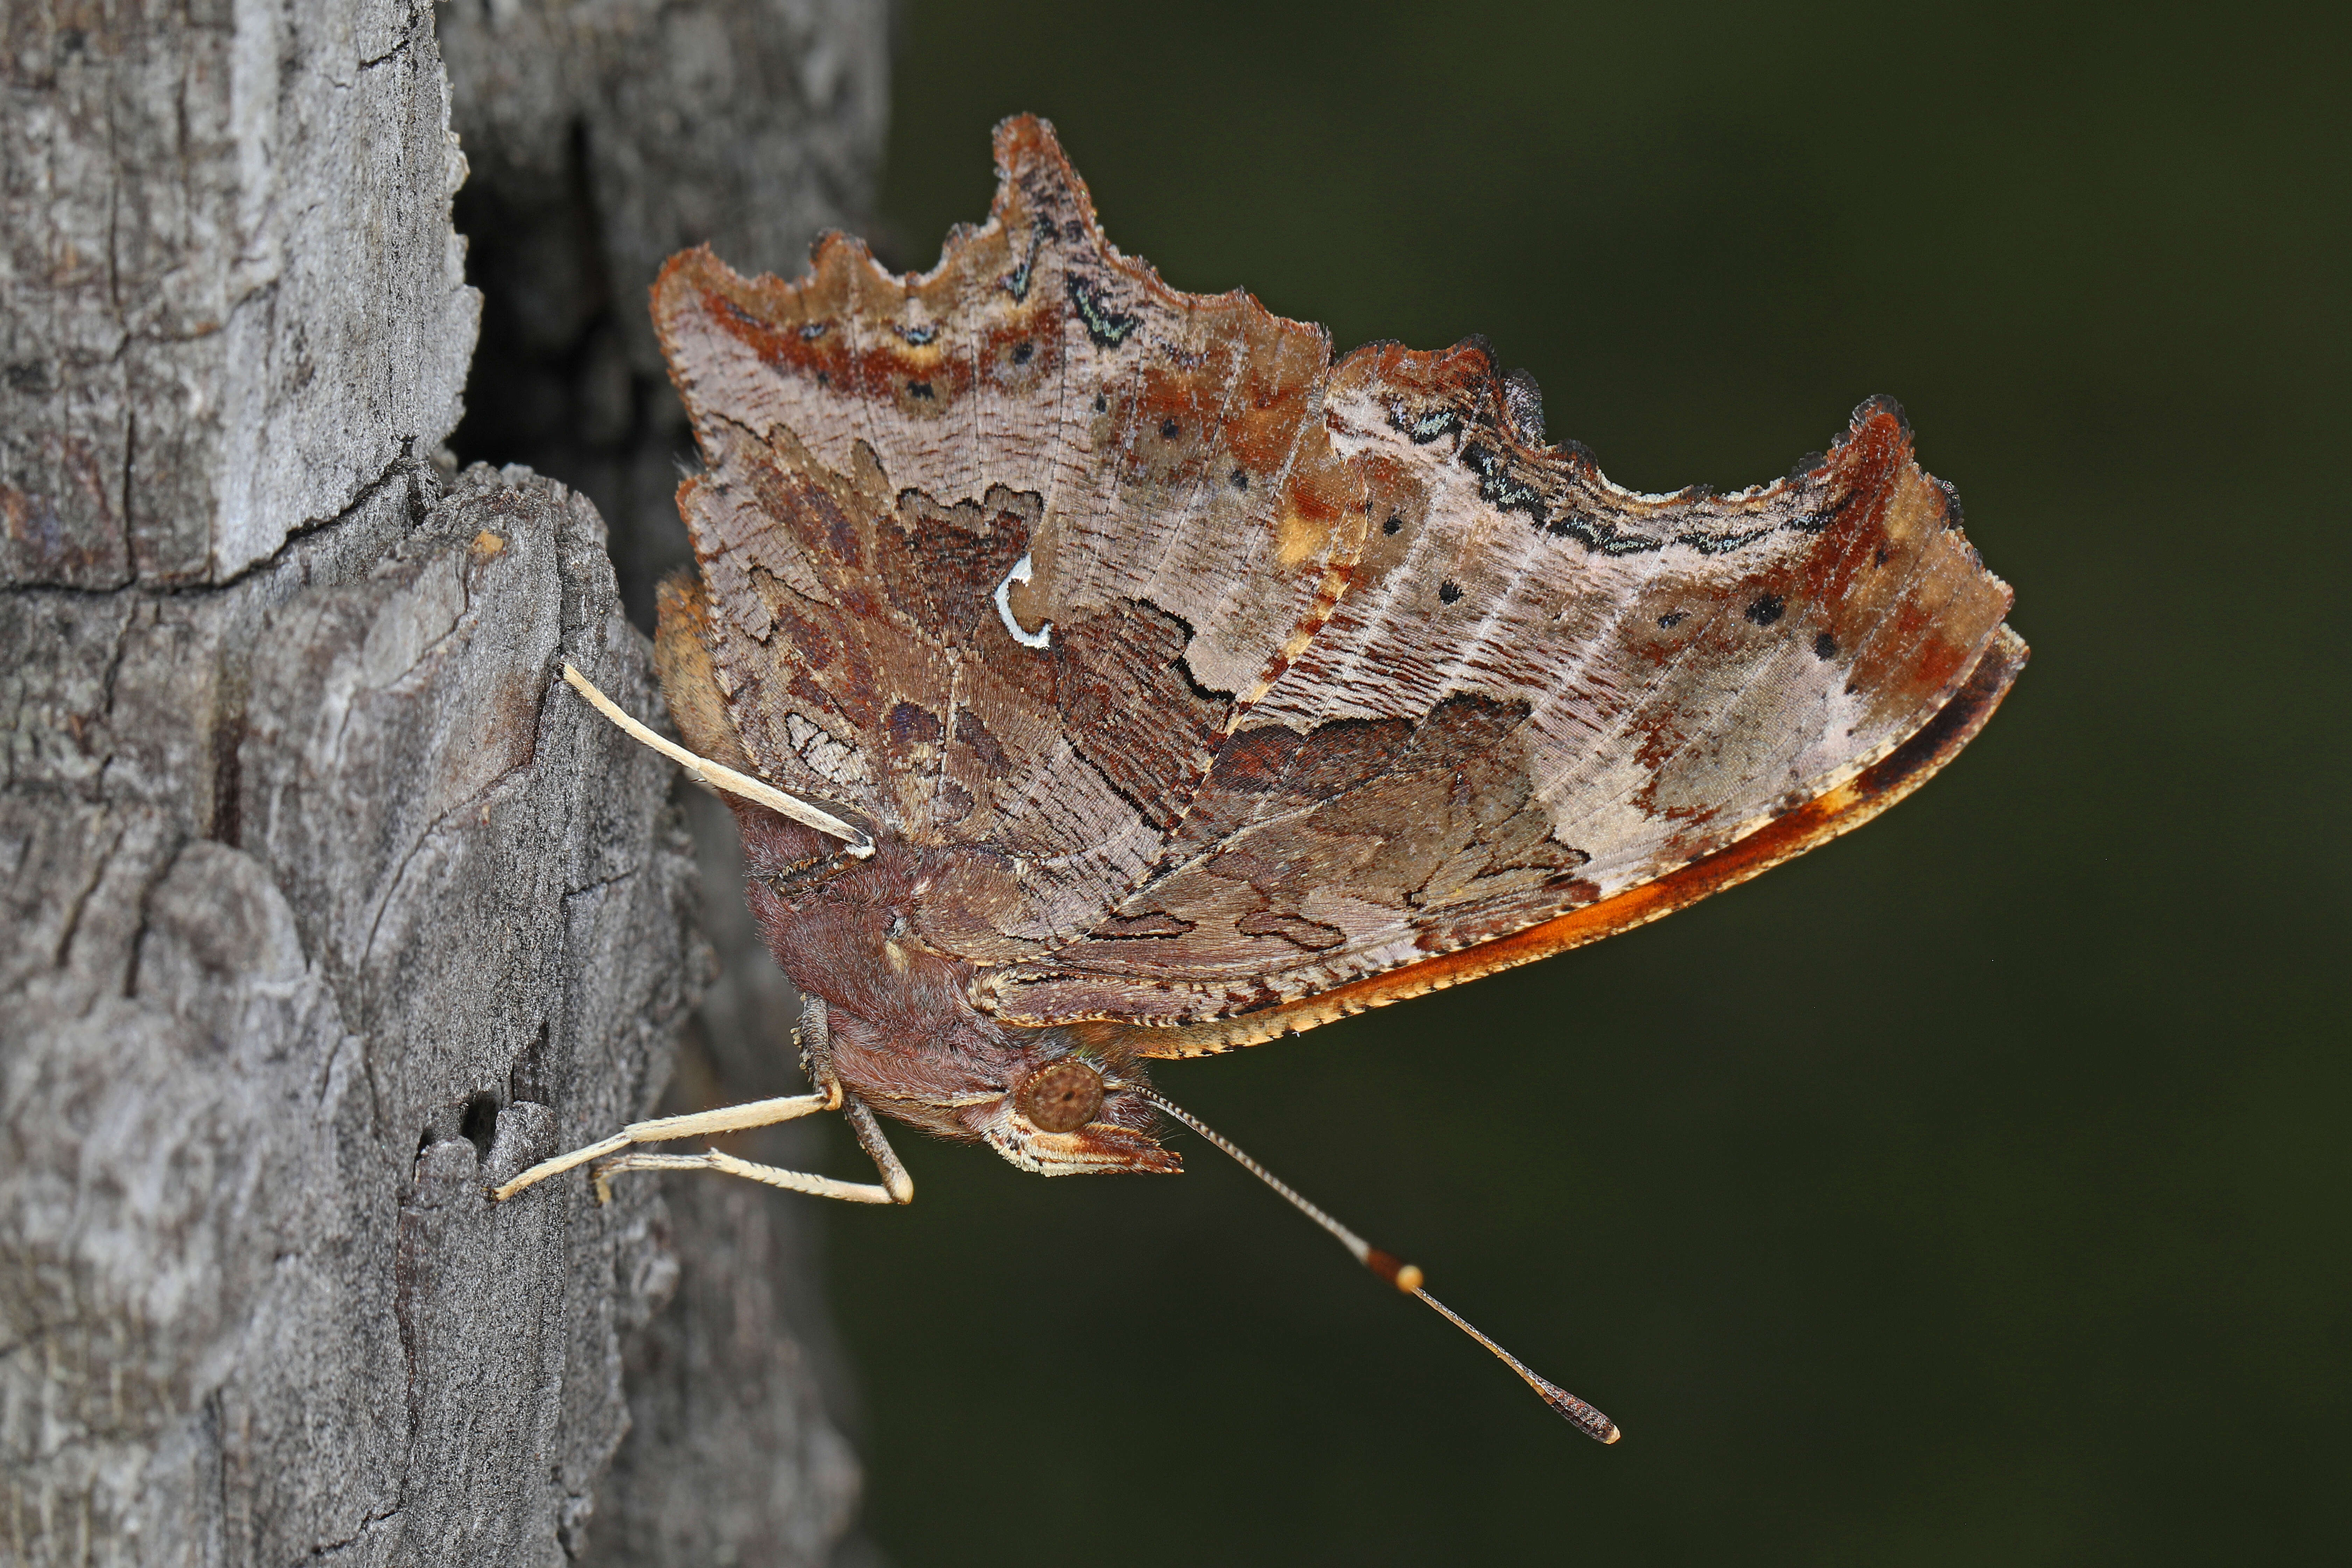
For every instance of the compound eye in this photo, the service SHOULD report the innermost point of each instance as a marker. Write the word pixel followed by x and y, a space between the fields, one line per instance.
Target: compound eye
pixel 1062 1098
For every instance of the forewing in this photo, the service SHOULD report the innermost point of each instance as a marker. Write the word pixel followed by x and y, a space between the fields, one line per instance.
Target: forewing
pixel 1541 693
pixel 883 453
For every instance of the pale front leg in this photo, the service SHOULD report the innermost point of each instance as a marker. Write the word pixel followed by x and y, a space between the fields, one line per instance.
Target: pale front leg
pixel 695 1125
pixel 729 1165
pixel 896 1186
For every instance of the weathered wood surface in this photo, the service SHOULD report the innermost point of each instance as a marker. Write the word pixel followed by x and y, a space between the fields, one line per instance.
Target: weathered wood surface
pixel 601 140
pixel 422 919
pixel 325 904
pixel 604 139
pixel 230 294
pixel 732 1454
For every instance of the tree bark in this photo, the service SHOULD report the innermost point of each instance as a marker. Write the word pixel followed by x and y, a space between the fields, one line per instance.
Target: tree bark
pixel 327 904
pixel 603 141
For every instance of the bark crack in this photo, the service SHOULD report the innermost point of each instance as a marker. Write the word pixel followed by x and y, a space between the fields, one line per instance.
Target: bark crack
pixel 392 53
pixel 366 1525
pixel 63 953
pixel 407 465
pixel 145 913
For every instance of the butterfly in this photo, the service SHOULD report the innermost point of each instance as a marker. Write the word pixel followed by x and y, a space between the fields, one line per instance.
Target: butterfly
pixel 1101 674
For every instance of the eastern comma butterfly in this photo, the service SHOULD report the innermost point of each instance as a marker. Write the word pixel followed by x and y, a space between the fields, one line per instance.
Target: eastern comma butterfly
pixel 1102 674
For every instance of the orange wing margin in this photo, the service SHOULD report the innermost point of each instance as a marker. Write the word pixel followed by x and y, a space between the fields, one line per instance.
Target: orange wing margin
pixel 1841 810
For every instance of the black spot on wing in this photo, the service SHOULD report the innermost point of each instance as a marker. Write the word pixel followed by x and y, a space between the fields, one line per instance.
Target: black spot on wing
pixel 1424 425
pixel 1501 485
pixel 1016 282
pixel 1722 543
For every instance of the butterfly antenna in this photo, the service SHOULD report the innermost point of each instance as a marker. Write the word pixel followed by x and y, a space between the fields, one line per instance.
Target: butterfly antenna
pixel 1404 1276
pixel 718 775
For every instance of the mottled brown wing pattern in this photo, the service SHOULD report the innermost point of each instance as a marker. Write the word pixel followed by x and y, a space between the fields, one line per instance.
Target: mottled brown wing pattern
pixel 1540 691
pixel 1212 679
pixel 1840 810
pixel 884 454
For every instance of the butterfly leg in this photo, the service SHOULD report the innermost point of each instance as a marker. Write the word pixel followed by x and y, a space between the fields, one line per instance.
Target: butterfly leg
pixel 696 1124
pixel 815 1036
pixel 895 1186
pixel 898 1186
pixel 729 1165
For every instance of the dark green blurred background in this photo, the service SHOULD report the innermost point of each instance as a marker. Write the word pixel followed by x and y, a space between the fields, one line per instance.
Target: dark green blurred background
pixel 1972 1189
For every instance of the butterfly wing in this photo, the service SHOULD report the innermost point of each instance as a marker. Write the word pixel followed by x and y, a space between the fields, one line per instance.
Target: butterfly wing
pixel 1540 695
pixel 1227 687
pixel 997 556
pixel 1840 810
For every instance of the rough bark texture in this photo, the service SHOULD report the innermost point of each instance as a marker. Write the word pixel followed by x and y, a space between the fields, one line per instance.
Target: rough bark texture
pixel 733 1455
pixel 229 286
pixel 604 139
pixel 325 903
pixel 328 908
pixel 601 140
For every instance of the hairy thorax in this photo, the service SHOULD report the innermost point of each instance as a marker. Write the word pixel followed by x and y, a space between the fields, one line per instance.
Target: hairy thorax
pixel 904 1036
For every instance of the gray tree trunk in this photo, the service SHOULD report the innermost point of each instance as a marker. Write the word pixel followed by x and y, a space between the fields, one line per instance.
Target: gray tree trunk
pixel 604 139
pixel 325 904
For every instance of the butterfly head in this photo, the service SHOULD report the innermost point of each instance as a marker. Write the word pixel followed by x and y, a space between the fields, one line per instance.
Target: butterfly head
pixel 1061 1102
pixel 1071 1108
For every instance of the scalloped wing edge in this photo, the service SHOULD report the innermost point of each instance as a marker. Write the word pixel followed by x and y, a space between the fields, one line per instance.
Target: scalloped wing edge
pixel 1029 158
pixel 1879 440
